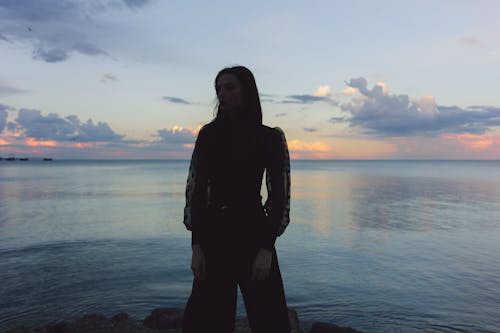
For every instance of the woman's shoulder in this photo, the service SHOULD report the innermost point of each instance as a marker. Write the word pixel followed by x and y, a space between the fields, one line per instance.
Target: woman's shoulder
pixel 206 130
pixel 275 133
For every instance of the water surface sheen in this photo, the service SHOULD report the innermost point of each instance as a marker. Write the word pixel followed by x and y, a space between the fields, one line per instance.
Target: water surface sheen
pixel 382 246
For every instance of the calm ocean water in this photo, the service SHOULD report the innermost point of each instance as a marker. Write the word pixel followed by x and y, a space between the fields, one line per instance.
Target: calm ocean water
pixel 382 246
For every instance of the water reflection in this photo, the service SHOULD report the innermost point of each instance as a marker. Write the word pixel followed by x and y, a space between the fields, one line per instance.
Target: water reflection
pixel 383 196
pixel 321 199
pixel 422 204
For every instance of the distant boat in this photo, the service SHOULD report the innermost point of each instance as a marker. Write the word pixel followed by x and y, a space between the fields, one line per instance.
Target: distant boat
pixel 10 158
pixel 47 159
pixel 24 159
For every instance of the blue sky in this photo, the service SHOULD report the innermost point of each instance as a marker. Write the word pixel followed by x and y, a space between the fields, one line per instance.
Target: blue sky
pixel 344 79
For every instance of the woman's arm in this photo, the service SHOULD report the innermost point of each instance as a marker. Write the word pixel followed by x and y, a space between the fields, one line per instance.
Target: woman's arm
pixel 277 205
pixel 197 190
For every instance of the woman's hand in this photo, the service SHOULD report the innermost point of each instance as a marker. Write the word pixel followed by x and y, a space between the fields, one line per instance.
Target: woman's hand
pixel 198 263
pixel 262 264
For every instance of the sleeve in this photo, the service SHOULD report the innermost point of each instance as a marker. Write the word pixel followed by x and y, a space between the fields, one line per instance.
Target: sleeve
pixel 196 191
pixel 277 205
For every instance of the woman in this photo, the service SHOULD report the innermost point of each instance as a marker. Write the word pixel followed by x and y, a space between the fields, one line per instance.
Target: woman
pixel 233 234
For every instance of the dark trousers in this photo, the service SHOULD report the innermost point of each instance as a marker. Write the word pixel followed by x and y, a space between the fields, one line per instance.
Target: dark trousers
pixel 212 304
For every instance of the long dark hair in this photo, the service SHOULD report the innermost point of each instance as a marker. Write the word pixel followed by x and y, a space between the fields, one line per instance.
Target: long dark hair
pixel 251 110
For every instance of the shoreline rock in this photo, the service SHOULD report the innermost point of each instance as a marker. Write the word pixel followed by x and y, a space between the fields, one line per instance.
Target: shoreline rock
pixel 161 320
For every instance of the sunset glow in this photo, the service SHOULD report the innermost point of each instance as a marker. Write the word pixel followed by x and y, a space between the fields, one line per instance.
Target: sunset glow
pixel 31 142
pixel 474 141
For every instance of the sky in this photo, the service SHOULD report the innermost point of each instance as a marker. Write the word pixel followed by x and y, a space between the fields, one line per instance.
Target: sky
pixel 133 79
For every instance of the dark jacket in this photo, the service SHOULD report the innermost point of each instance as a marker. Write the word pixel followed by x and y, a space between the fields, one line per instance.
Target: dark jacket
pixel 221 176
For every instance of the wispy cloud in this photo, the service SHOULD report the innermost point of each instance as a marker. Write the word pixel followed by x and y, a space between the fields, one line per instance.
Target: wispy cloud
pixel 176 100
pixel 321 94
pixel 470 41
pixel 310 129
pixel 57 29
pixel 107 77
pixel 380 113
pixel 7 90
pixel 337 120
pixel 304 99
pixel 88 49
pixel 136 3
pixel 475 142
pixel 269 98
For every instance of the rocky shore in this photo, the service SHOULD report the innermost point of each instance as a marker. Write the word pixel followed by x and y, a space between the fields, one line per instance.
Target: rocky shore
pixel 161 320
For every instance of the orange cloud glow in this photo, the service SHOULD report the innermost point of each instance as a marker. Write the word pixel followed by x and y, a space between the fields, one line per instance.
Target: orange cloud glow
pixel 322 91
pixel 473 141
pixel 309 150
pixel 178 128
pixel 85 144
pixel 37 143
pixel 3 142
pixel 349 91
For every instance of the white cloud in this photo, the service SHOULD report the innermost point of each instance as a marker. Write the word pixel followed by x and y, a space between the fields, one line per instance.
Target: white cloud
pixel 349 91
pixel 381 113
pixel 322 91
pixel 177 135
pixel 427 104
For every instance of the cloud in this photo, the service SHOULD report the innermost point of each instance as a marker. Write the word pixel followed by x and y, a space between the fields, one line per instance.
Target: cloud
pixel 322 94
pixel 50 55
pixel 304 99
pixel 269 98
pixel 310 129
pixel 380 113
pixel 337 120
pixel 175 100
pixel 136 3
pixel 32 124
pixel 470 41
pixel 309 150
pixel 101 131
pixel 322 91
pixel 4 114
pixel 473 141
pixel 35 134
pixel 88 49
pixel 177 135
pixel 106 77
pixel 349 91
pixel 40 143
pixel 57 29
pixel 3 117
pixel 6 90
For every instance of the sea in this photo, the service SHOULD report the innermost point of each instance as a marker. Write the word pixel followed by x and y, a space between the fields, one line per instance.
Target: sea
pixel 380 246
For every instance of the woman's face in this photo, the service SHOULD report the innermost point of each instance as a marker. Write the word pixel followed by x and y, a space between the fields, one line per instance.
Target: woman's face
pixel 229 92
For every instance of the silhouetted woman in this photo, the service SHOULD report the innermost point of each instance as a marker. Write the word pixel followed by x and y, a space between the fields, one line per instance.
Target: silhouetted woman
pixel 233 234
